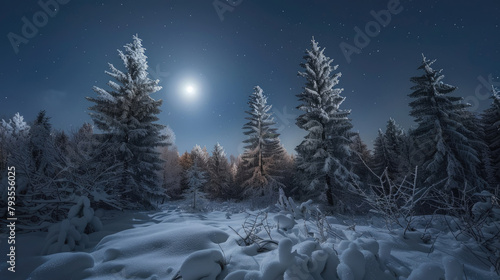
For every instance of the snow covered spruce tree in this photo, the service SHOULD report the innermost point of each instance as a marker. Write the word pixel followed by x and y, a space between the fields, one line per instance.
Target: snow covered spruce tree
pixel 394 135
pixel 323 156
pixel 491 126
pixel 219 173
pixel 200 157
pixel 14 137
pixel 172 171
pixel 127 117
pixel 361 157
pixel 263 148
pixel 442 136
pixel 12 133
pixel 197 179
pixel 388 152
pixel 41 192
pixel 380 159
pixel 42 145
pixel 86 174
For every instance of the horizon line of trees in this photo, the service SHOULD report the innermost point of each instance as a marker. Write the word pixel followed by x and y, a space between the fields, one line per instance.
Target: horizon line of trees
pixel 133 162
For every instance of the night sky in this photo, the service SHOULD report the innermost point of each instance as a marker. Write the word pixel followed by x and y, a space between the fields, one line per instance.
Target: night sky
pixel 224 55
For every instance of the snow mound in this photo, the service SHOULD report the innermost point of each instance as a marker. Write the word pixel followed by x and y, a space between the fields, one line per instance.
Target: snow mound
pixel 285 222
pixel 353 263
pixel 157 251
pixel 64 266
pixel 174 244
pixel 205 264
pixel 272 268
pixel 427 271
pixel 453 269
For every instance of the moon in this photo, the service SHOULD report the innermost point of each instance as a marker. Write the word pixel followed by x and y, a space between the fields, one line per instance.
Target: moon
pixel 190 92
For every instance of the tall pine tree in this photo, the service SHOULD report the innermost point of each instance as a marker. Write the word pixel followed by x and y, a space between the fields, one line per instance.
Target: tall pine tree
pixel 491 125
pixel 323 156
pixel 219 173
pixel 172 171
pixel 127 116
pixel 442 135
pixel 263 148
pixel 361 157
pixel 381 155
pixel 197 179
pixel 388 151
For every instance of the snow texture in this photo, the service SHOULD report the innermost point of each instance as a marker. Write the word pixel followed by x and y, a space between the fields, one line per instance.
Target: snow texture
pixel 192 246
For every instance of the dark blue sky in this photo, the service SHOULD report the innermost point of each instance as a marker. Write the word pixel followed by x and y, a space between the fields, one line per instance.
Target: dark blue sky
pixel 256 43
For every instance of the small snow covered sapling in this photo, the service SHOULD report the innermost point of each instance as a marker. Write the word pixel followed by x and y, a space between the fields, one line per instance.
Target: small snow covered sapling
pixel 71 233
pixel 196 180
pixel 290 212
pixel 287 205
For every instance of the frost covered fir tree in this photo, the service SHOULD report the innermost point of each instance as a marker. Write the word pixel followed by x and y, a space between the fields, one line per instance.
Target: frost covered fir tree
pixel 42 145
pixel 172 171
pixel 86 174
pixel 14 136
pixel 13 128
pixel 12 133
pixel 380 159
pixel 361 157
pixel 323 156
pixel 263 148
pixel 41 198
pixel 472 122
pixel 491 126
pixel 388 151
pixel 219 173
pixel 127 116
pixel 450 159
pixel 196 180
pixel 394 135
pixel 200 156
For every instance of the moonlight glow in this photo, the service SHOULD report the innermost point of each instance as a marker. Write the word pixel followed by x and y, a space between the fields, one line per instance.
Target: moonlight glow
pixel 189 92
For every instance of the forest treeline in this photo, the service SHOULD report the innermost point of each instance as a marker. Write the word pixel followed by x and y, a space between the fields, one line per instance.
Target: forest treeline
pixel 132 163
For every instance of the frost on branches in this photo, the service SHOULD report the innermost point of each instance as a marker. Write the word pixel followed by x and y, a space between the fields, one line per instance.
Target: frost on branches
pixel 196 181
pixel 263 149
pixel 443 135
pixel 220 173
pixel 391 154
pixel 491 125
pixel 127 114
pixel 323 156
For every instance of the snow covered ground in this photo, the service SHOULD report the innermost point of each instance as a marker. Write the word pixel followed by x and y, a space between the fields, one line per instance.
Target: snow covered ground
pixel 178 244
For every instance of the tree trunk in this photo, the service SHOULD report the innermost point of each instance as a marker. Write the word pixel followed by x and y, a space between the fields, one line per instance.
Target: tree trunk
pixel 329 192
pixel 194 199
